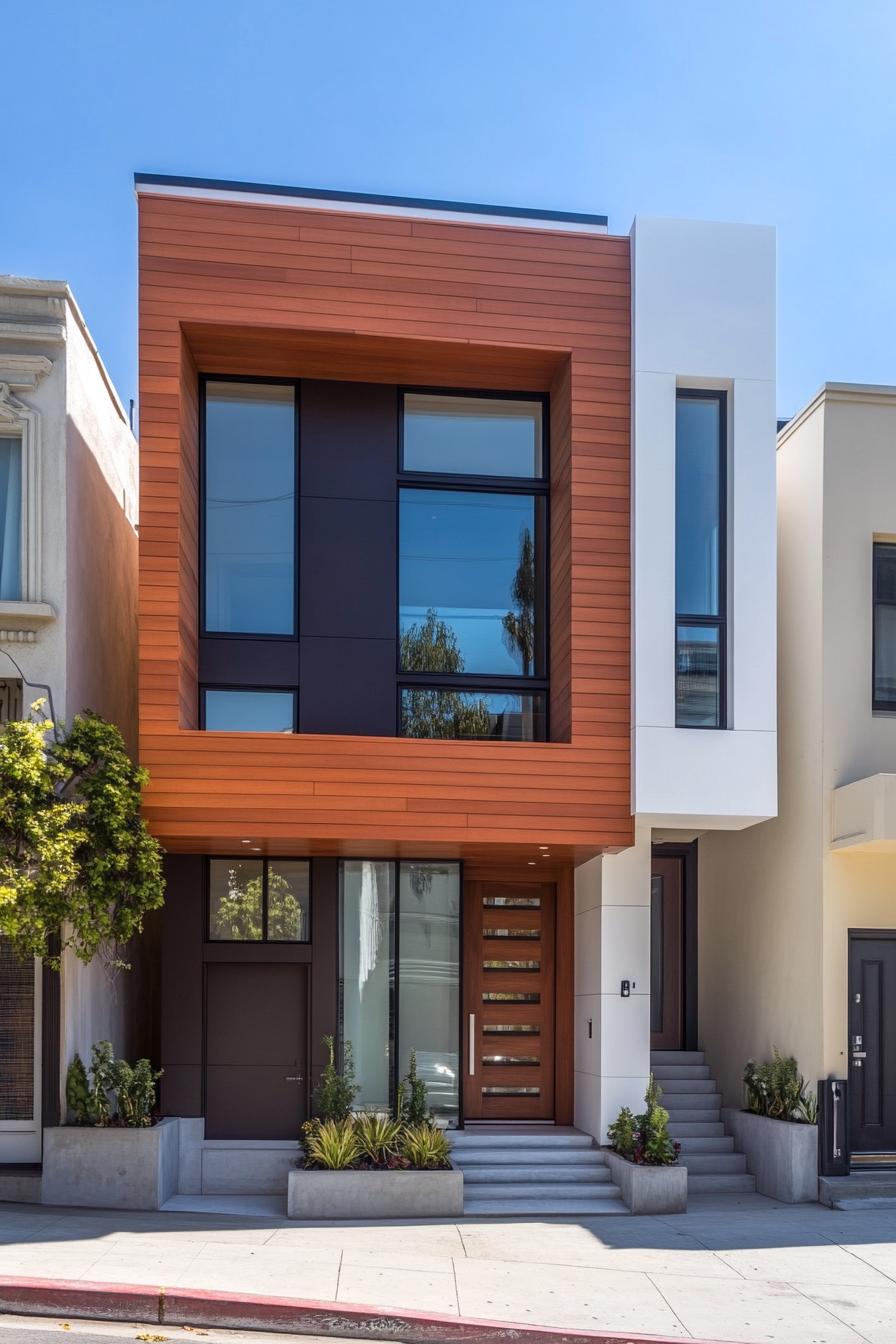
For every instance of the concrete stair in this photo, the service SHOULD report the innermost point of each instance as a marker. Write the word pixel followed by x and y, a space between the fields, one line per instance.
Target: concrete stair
pixel 693 1102
pixel 518 1173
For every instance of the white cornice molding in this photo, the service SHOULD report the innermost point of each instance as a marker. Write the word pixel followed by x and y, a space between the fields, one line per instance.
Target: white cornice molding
pixel 21 373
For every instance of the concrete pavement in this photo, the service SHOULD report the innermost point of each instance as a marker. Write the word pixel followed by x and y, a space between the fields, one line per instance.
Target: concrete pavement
pixel 738 1268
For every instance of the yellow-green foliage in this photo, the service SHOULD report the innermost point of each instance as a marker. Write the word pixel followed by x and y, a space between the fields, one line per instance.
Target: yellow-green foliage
pixel 379 1137
pixel 74 850
pixel 333 1144
pixel 425 1146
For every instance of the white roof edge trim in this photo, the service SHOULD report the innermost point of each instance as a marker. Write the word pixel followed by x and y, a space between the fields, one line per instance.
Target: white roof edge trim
pixel 366 208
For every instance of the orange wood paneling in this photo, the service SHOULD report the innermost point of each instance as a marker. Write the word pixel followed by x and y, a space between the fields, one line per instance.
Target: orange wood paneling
pixel 229 286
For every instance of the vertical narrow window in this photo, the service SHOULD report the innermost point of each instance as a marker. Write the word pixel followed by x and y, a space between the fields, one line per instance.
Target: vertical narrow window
pixel 10 519
pixel 884 634
pixel 429 980
pixel 367 976
pixel 249 508
pixel 700 526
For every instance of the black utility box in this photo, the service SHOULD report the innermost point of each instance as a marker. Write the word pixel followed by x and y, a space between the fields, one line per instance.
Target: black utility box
pixel 833 1127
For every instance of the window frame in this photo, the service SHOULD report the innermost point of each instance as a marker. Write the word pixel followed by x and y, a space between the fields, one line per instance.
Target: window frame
pixel 879 545
pixel 292 691
pixel 536 487
pixel 295 384
pixel 720 621
pixel 265 860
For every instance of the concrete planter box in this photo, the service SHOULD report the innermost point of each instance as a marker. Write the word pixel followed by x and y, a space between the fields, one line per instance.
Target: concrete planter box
pixel 110 1168
pixel 375 1194
pixel 649 1189
pixel 782 1155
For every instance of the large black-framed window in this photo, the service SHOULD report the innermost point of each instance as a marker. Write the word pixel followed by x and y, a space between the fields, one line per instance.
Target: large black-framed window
pixel 472 564
pixel 258 900
pixel 249 443
pixel 883 691
pixel 700 558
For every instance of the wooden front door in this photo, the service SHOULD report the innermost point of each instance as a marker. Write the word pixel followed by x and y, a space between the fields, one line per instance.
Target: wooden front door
pixel 872 1042
pixel 666 954
pixel 509 939
pixel 256 1040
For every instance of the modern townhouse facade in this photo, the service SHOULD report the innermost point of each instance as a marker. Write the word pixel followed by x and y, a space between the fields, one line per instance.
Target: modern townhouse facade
pixel 457 627
pixel 68 635
pixel 809 899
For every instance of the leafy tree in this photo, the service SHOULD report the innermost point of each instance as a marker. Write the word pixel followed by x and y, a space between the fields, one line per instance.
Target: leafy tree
pixel 431 646
pixel 238 913
pixel 75 854
pixel 519 624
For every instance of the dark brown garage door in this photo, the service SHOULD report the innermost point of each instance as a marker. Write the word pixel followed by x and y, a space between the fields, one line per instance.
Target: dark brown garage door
pixel 256 1031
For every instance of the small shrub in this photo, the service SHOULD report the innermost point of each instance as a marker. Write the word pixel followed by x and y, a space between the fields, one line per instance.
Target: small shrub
pixel 425 1147
pixel 645 1138
pixel 622 1133
pixel 77 1092
pixel 412 1103
pixel 379 1137
pixel 102 1065
pixel 135 1088
pixel 334 1095
pixel 332 1145
pixel 777 1089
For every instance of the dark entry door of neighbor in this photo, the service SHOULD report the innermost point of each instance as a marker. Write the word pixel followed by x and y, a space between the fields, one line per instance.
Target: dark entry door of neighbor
pixel 256 1040
pixel 872 1042
pixel 666 954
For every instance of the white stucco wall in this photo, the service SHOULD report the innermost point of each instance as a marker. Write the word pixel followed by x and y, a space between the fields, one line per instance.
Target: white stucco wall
pixel 703 315
pixel 86 652
pixel 776 902
pixel 759 891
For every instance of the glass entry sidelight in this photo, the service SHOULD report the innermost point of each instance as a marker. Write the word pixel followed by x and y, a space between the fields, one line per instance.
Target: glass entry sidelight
pixel 509 937
pixel 666 954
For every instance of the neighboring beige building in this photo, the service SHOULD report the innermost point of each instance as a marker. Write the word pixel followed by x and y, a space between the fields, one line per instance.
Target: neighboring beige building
pixel 797 923
pixel 68 584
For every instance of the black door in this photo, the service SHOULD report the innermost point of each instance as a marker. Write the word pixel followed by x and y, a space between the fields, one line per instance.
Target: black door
pixel 666 954
pixel 256 1033
pixel 872 1041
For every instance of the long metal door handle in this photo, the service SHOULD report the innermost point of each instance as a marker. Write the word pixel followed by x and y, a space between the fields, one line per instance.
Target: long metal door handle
pixel 472 1059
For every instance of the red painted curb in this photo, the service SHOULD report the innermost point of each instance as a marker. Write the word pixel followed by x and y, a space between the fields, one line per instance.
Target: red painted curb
pixel 197 1307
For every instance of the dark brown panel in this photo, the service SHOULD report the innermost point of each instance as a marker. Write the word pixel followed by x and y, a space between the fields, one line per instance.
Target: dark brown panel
pixel 181 985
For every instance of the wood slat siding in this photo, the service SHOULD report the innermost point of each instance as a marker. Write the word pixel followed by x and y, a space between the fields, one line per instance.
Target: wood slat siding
pixel 267 289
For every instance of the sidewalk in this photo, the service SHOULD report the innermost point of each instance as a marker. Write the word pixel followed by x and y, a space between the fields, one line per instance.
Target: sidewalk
pixel 738 1268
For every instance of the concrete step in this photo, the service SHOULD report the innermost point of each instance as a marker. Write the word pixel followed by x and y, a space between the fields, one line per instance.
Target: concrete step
pixel 674 1086
pixel 473 1138
pixel 707 1144
pixel 526 1157
pixel 665 1072
pixel 720 1184
pixel 692 1101
pixel 474 1174
pixel 706 1164
pixel 856 1190
pixel 579 1207
pixel 675 1057
pixel 696 1129
pixel 698 1116
pixel 559 1190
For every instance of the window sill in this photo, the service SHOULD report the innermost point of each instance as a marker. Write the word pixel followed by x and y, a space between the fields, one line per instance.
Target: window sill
pixel 20 621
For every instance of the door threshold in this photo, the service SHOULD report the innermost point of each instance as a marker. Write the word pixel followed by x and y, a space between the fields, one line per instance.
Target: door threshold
pixel 505 1124
pixel 861 1161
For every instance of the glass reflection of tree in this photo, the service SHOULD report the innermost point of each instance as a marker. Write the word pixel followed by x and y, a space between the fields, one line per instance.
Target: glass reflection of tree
pixel 431 646
pixel 519 624
pixel 238 913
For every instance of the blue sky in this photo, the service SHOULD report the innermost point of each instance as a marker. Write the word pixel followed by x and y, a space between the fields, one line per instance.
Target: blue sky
pixel 772 111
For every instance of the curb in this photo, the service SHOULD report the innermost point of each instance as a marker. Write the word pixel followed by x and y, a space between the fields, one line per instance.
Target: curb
pixel 196 1307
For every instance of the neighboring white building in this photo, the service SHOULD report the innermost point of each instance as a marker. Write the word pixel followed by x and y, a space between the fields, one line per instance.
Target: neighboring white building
pixel 704 755
pixel 798 916
pixel 68 592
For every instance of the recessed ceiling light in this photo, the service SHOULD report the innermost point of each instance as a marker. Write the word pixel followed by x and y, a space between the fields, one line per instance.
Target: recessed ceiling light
pixel 531 863
pixel 245 842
